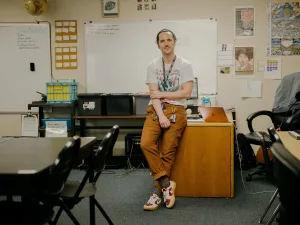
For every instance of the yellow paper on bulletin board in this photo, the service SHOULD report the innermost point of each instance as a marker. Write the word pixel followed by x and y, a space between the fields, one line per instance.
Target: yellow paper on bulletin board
pixel 66 31
pixel 66 58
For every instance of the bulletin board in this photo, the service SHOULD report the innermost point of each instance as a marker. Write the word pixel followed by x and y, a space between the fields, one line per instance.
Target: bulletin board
pixel 66 31
pixel 66 57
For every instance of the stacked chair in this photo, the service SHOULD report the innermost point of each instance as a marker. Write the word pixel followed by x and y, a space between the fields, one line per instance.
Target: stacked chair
pixel 32 211
pixel 75 191
pixel 61 191
pixel 275 138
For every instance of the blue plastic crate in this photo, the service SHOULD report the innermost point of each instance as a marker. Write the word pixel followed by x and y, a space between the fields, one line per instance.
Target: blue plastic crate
pixel 68 120
pixel 61 91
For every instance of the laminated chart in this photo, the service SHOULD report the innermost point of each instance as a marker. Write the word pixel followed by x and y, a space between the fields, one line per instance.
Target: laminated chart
pixel 66 31
pixel 66 57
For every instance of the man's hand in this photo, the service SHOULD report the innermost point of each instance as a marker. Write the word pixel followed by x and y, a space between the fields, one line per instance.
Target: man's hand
pixel 163 121
pixel 156 94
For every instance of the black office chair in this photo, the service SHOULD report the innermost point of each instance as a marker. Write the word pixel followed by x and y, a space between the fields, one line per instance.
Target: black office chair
pixel 75 191
pixel 273 135
pixel 285 121
pixel 287 175
pixel 262 139
pixel 34 210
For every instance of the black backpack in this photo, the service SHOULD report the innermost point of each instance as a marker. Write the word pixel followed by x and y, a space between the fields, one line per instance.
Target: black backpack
pixel 245 152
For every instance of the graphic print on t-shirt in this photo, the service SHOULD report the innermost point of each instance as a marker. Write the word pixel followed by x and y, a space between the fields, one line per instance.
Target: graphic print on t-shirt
pixel 170 83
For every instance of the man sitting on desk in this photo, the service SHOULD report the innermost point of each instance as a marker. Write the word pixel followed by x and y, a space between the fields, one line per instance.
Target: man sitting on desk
pixel 170 80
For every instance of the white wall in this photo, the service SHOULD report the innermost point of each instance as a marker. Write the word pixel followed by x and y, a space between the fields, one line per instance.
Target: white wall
pixel 223 11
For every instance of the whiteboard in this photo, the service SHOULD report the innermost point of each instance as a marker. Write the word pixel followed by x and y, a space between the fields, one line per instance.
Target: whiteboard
pixel 118 53
pixel 22 44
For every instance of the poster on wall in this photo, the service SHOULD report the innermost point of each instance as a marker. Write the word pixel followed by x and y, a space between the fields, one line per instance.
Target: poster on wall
pixel 273 68
pixel 225 54
pixel 110 8
pixel 244 22
pixel 244 61
pixel 283 29
pixel 225 70
pixel 66 57
pixel 66 31
pixel 146 5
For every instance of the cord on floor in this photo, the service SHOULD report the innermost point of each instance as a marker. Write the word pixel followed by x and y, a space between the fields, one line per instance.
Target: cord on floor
pixel 129 164
pixel 240 160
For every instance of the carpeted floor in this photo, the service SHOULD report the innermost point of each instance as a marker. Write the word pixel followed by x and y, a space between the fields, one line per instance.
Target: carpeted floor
pixel 122 193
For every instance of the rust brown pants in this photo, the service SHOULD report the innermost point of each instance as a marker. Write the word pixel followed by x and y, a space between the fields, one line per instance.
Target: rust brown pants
pixel 160 159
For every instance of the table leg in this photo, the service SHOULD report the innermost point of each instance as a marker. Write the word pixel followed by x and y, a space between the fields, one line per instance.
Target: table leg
pixel 9 198
pixel 92 202
pixel 73 131
pixel 82 125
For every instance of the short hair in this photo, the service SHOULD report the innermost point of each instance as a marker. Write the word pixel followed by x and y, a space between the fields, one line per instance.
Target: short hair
pixel 245 51
pixel 165 30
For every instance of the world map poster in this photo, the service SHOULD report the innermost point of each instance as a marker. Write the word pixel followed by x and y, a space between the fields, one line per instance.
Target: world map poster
pixel 284 29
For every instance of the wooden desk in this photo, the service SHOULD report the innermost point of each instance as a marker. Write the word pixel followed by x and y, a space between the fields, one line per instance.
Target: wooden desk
pixel 290 143
pixel 204 165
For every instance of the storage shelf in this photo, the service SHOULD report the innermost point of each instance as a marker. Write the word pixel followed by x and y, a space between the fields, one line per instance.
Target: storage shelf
pixel 56 105
pixel 40 104
pixel 108 127
pixel 110 117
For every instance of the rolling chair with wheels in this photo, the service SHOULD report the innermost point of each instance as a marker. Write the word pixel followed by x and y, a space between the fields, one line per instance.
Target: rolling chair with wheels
pixel 263 139
pixel 283 116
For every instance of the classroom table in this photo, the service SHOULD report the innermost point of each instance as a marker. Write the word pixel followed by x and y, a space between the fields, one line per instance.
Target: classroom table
pixel 290 143
pixel 24 162
pixel 32 155
pixel 5 139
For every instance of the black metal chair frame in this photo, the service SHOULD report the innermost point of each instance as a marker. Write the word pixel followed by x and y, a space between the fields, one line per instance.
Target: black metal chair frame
pixel 287 169
pixel 96 164
pixel 275 138
pixel 266 168
pixel 57 176
pixel 264 140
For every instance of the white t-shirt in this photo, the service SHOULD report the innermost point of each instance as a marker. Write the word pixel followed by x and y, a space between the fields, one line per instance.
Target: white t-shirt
pixel 182 72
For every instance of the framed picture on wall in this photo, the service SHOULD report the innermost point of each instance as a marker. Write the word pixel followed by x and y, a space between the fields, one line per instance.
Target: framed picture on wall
pixel 244 60
pixel 244 20
pixel 110 8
